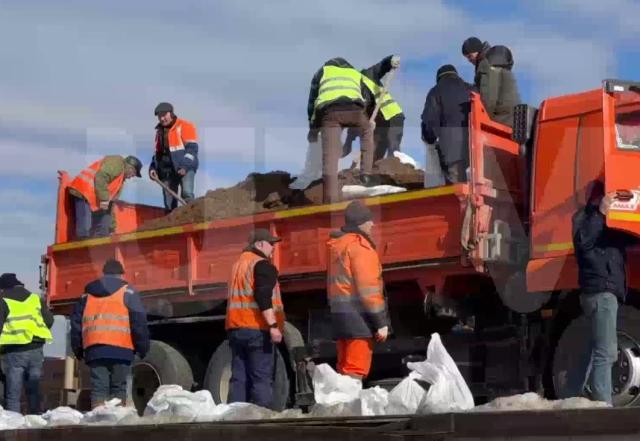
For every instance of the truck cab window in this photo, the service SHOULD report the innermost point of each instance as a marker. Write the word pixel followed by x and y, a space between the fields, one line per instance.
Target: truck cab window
pixel 628 130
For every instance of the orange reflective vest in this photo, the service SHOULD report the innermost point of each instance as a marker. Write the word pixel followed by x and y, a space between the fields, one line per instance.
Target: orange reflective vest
pixel 106 321
pixel 354 287
pixel 242 309
pixel 84 184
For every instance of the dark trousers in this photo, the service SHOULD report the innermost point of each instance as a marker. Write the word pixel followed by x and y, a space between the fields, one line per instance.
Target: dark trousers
pixel 252 367
pixel 333 121
pixel 387 140
pixel 182 185
pixel 91 223
pixel 108 380
pixel 24 367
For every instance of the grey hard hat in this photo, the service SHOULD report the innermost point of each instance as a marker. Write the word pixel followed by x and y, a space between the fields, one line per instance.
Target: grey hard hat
pixel 135 163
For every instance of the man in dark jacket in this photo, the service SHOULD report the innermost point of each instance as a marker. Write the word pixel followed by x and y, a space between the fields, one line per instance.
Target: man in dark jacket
pixel 601 256
pixel 25 322
pixel 336 101
pixel 389 128
pixel 108 327
pixel 493 78
pixel 445 121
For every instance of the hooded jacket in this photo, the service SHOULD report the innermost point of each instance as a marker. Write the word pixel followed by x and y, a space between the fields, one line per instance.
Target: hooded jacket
pixel 342 103
pixel 104 287
pixel 445 118
pixel 20 294
pixel 496 83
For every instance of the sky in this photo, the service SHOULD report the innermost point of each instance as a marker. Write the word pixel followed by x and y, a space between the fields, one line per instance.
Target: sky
pixel 80 80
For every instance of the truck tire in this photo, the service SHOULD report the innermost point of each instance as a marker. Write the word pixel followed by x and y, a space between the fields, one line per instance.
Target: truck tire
pixel 625 372
pixel 163 364
pixel 218 374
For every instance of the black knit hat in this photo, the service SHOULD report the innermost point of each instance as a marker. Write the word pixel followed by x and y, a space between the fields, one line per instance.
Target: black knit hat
pixel 446 69
pixel 471 45
pixel 356 214
pixel 262 234
pixel 112 266
pixel 9 280
pixel 163 108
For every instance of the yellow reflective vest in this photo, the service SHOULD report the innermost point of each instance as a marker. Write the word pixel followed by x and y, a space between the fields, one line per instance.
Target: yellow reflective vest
pixel 388 106
pixel 336 83
pixel 24 322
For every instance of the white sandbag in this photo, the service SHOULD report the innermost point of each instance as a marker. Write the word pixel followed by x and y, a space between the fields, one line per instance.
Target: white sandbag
pixel 171 403
pixel 332 388
pixel 34 422
pixel 360 191
pixel 312 167
pixel 111 413
pixel 449 391
pixel 11 420
pixel 244 412
pixel 62 416
pixel 533 401
pixel 406 159
pixel 373 401
pixel 352 408
pixel 433 176
pixel 405 398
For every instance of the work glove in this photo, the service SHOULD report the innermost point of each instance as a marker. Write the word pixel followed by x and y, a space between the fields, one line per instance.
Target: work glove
pixel 395 62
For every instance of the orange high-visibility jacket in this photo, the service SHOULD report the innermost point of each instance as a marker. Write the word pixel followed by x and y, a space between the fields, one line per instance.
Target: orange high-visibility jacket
pixel 355 287
pixel 84 184
pixel 242 309
pixel 183 149
pixel 106 321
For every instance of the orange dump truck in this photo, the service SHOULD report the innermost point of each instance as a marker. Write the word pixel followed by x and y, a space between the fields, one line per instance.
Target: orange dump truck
pixel 489 263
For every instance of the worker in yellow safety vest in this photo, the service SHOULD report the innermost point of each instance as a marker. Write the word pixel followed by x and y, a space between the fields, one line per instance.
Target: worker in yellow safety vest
pixel 389 121
pixel 25 321
pixel 336 101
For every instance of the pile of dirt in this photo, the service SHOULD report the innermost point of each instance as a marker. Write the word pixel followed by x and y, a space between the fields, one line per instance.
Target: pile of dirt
pixel 261 192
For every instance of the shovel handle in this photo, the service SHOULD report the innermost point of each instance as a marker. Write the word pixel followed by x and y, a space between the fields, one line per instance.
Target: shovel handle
pixel 171 192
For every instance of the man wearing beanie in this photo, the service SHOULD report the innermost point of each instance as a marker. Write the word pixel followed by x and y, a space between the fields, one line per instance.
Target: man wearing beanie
pixel 493 78
pixel 175 161
pixel 445 123
pixel 108 327
pixel 355 292
pixel 25 321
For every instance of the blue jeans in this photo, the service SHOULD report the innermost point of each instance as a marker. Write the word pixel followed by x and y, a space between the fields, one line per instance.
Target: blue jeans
pixel 186 185
pixel 86 220
pixel 594 368
pixel 18 367
pixel 108 380
pixel 252 367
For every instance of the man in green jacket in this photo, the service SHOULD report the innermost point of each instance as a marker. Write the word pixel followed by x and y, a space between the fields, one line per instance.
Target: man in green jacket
pixel 494 79
pixel 94 190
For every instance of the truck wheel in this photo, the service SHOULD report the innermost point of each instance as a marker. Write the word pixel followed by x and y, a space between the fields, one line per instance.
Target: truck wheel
pixel 162 365
pixel 218 374
pixel 626 370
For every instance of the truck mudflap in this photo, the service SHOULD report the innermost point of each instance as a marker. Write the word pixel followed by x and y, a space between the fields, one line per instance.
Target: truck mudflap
pixel 587 424
pixel 621 120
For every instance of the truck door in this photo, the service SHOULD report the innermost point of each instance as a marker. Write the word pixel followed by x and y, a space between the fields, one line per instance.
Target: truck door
pixel 621 120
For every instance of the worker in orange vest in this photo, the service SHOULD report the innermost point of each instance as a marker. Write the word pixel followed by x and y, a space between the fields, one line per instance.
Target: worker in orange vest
pixel 94 190
pixel 108 327
pixel 255 321
pixel 175 161
pixel 355 292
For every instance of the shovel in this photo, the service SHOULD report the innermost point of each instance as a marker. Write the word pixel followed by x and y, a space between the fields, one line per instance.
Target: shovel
pixel 166 187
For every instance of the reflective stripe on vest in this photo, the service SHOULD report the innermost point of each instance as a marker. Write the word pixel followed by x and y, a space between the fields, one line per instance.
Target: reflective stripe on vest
pixel 336 83
pixel 84 184
pixel 242 309
pixel 24 322
pixel 175 136
pixel 388 106
pixel 105 321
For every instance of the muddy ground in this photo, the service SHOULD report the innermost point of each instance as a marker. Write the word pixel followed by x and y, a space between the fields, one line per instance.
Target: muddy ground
pixel 261 192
